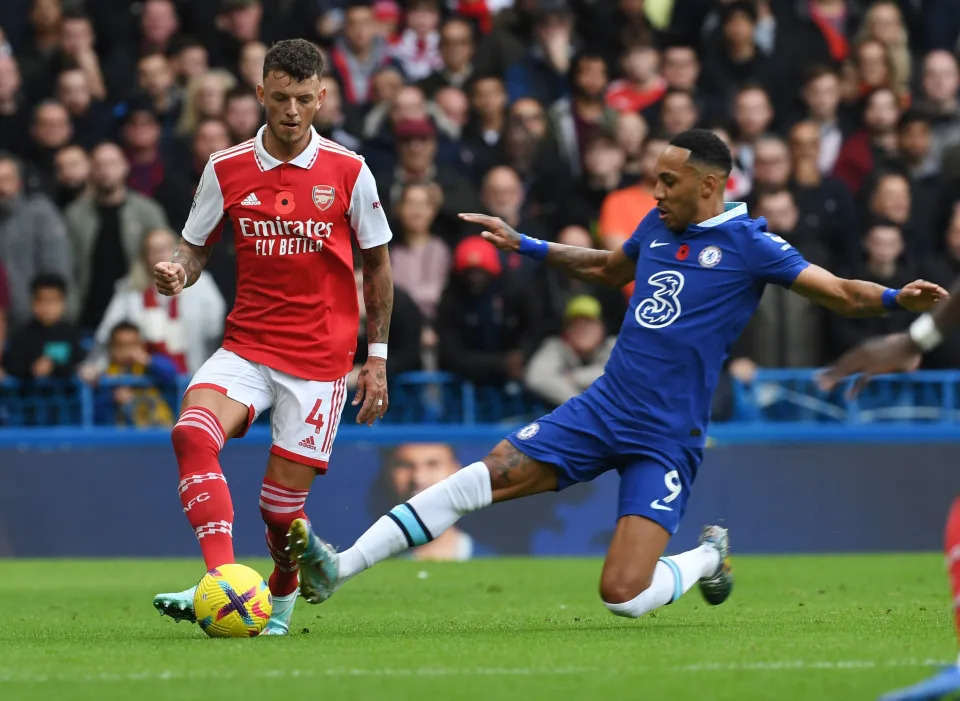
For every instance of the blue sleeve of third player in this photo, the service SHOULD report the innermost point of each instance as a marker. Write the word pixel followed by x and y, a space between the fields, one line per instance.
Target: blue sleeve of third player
pixel 772 259
pixel 632 245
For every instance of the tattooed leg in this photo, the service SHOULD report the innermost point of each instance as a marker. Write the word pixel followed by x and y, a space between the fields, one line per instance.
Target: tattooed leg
pixel 513 474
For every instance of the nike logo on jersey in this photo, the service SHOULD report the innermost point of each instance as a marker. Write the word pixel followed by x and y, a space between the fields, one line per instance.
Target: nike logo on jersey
pixel 657 244
pixel 251 200
pixel 655 504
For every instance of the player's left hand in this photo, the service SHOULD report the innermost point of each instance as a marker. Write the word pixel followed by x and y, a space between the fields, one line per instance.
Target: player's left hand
pixel 372 391
pixel 920 296
pixel 893 353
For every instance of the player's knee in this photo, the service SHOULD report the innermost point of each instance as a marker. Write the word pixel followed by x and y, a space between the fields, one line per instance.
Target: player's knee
pixel 619 589
pixel 198 430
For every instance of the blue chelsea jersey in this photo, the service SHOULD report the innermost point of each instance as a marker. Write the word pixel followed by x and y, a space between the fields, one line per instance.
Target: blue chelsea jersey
pixel 694 294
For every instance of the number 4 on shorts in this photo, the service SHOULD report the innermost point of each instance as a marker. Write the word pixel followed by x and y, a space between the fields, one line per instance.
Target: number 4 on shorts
pixel 315 418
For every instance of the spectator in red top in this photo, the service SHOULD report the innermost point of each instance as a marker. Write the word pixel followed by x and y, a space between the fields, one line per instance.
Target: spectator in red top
pixel 641 85
pixel 418 48
pixel 876 141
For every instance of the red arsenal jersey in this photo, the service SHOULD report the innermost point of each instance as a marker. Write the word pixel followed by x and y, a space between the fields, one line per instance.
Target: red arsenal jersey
pixel 296 309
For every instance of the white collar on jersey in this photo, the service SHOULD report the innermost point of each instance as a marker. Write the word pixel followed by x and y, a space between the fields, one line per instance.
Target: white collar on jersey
pixel 304 160
pixel 731 210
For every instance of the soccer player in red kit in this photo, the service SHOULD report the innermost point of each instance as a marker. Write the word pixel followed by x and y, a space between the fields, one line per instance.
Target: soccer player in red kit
pixel 296 202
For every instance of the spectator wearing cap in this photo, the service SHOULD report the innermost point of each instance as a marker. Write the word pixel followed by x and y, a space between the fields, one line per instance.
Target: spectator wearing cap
pixel 420 260
pixel 388 16
pixel 542 73
pixel 566 365
pixel 106 227
pixel 578 118
pixel 824 202
pixel 14 135
pixel 359 53
pixel 457 50
pixel 484 323
pixel 33 239
pixel 90 119
pixel 417 49
pixel 72 171
pixel 416 163
pixel 874 144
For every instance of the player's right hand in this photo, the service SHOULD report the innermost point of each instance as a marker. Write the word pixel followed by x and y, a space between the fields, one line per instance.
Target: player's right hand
pixel 496 231
pixel 170 278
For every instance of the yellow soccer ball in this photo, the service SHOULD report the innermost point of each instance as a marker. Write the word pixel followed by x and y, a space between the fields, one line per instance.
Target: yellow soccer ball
pixel 232 601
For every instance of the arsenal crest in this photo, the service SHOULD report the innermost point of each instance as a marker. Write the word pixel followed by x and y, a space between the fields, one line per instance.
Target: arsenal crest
pixel 323 196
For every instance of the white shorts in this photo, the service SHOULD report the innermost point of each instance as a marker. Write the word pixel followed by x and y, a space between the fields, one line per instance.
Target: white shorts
pixel 306 413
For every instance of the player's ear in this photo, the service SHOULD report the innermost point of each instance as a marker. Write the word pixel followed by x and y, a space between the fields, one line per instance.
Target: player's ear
pixel 321 95
pixel 260 96
pixel 709 184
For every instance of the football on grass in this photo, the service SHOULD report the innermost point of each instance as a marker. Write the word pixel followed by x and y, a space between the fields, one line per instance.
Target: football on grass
pixel 232 601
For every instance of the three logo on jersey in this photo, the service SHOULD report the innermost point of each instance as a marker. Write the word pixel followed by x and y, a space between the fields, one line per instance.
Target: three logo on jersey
pixel 663 307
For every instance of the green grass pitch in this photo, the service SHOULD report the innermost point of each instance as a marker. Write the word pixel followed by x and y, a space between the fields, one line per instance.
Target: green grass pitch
pixel 843 627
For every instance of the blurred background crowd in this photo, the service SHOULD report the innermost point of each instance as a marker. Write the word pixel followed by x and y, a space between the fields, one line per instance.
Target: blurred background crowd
pixel 843 116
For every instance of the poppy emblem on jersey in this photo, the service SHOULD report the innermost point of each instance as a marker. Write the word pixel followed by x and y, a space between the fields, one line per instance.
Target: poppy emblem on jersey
pixel 284 202
pixel 528 431
pixel 323 196
pixel 710 257
pixel 683 252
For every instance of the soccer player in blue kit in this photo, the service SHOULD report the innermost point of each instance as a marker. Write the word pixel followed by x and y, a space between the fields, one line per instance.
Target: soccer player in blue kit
pixel 700 267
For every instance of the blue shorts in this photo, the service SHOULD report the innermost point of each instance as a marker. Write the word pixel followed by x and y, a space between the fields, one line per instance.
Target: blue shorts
pixel 582 441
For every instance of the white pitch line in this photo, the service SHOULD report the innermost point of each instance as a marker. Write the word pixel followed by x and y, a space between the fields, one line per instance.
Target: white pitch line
pixel 198 675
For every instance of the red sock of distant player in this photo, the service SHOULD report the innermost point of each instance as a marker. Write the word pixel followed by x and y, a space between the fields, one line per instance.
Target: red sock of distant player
pixel 951 546
pixel 198 438
pixel 279 506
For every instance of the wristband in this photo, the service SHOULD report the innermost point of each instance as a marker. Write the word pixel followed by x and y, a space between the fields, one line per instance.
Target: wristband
pixel 924 333
pixel 377 350
pixel 889 299
pixel 534 248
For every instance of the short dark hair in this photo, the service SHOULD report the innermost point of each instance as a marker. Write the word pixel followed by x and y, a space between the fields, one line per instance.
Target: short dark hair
pixel 746 7
pixel 765 192
pixel 817 71
pixel 705 147
pixel 298 58
pixel 913 116
pixel 48 281
pixel 239 91
pixel 123 326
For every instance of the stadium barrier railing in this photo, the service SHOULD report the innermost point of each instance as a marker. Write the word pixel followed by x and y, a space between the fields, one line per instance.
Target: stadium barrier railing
pixel 775 396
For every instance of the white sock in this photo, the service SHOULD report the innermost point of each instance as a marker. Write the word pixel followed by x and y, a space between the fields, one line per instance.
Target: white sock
pixel 672 577
pixel 420 520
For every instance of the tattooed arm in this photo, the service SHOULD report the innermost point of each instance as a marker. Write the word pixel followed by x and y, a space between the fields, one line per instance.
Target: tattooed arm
pixel 184 268
pixel 378 299
pixel 859 298
pixel 612 268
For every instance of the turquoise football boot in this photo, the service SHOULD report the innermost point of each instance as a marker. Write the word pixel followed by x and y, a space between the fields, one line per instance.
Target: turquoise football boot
pixel 279 623
pixel 319 567
pixel 179 605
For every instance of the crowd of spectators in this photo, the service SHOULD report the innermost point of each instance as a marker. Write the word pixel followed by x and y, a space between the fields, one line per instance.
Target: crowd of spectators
pixel 843 116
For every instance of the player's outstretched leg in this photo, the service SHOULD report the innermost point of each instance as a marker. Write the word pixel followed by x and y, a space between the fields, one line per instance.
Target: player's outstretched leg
pixel 280 506
pixel 637 580
pixel 504 474
pixel 947 681
pixel 198 438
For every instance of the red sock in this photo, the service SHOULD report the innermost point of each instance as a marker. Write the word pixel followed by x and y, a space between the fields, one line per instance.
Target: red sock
pixel 198 438
pixel 280 506
pixel 951 546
